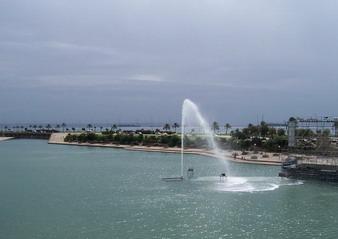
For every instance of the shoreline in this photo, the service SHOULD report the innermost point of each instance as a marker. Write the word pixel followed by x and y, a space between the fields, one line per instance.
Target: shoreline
pixel 58 139
pixel 5 138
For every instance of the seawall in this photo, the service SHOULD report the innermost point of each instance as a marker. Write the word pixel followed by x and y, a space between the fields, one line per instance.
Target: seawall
pixel 26 135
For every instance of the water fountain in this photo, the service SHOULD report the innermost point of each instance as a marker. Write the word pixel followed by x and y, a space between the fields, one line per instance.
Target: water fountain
pixel 192 116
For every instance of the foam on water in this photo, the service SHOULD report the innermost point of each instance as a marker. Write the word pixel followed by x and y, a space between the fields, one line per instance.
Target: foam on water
pixel 247 184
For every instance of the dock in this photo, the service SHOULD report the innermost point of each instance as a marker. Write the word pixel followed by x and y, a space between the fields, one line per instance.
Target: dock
pixel 323 169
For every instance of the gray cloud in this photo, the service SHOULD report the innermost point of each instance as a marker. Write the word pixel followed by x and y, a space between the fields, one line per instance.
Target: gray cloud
pixel 137 60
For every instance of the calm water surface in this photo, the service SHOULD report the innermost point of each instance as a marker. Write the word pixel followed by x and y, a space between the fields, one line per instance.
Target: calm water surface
pixel 51 191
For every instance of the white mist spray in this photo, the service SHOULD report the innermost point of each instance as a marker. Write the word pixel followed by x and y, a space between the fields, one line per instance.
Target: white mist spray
pixel 192 115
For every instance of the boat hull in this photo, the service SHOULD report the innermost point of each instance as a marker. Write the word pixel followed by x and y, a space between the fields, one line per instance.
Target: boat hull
pixel 172 179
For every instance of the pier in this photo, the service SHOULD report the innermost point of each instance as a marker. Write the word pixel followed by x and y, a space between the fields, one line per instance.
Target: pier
pixel 324 169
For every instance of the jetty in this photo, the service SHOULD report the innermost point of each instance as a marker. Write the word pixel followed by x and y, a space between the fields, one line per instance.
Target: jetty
pixel 324 169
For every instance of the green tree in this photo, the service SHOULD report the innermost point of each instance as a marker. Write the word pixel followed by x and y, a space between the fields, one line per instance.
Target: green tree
pixel 63 125
pixel 48 126
pixel 113 127
pixel 264 129
pixel 175 126
pixel 215 126
pixel 280 132
pixel 227 126
pixel 166 127
pixel 89 126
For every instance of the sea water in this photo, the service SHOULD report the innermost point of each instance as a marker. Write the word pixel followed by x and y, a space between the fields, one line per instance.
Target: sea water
pixel 55 191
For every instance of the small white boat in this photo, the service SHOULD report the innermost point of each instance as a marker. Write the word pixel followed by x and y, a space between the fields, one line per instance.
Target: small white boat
pixel 171 179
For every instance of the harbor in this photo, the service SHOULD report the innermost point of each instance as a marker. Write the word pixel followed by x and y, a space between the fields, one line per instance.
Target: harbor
pixel 324 169
pixel 316 139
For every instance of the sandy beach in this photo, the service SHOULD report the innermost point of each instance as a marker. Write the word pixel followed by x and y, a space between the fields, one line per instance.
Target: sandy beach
pixel 236 156
pixel 5 138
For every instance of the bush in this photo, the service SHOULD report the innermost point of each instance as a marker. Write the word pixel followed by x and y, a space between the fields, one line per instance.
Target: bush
pixel 128 138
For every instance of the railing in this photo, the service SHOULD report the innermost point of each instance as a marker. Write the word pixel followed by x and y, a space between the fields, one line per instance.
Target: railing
pixel 319 161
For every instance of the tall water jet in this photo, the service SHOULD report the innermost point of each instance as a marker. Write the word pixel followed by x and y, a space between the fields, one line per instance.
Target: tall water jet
pixel 191 115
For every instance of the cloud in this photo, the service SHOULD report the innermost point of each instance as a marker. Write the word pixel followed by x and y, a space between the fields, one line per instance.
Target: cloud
pixel 146 78
pixel 77 47
pixel 59 45
pixel 164 51
pixel 93 80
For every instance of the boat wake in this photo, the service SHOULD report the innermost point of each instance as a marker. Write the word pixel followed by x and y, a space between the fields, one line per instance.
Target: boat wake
pixel 248 184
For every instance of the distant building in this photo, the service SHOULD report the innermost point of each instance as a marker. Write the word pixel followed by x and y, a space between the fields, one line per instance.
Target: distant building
pixel 292 125
pixel 336 127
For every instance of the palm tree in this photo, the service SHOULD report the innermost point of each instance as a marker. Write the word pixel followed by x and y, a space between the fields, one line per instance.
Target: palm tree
pixel 63 125
pixel 48 126
pixel 215 126
pixel 114 127
pixel 175 126
pixel 166 127
pixel 227 126
pixel 89 126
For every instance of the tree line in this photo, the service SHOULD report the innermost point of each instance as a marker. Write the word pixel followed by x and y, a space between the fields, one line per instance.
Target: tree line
pixel 126 138
pixel 259 137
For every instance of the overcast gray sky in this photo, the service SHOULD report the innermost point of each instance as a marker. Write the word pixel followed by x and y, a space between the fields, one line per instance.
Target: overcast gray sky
pixel 135 61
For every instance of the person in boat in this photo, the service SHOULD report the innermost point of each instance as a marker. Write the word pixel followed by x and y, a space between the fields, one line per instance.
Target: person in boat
pixel 190 172
pixel 222 176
